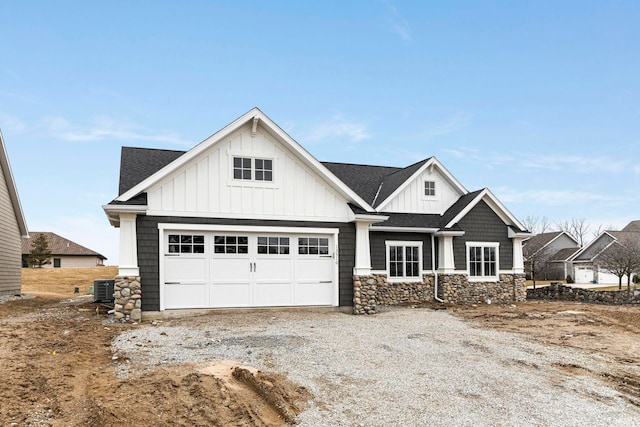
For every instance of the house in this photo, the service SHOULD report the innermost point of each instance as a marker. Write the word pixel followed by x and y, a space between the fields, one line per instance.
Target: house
pixel 585 262
pixel 64 252
pixel 248 218
pixel 551 251
pixel 12 228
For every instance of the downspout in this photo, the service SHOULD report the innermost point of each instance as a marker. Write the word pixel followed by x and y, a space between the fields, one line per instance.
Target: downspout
pixel 433 269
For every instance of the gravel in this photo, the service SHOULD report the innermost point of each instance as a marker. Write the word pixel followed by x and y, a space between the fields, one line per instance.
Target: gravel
pixel 401 367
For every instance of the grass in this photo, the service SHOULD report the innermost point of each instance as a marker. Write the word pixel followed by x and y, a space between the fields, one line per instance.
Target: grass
pixel 61 282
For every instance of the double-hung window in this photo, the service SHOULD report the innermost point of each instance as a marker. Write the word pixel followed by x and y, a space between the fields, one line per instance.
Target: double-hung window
pixel 404 261
pixel 429 188
pixel 482 260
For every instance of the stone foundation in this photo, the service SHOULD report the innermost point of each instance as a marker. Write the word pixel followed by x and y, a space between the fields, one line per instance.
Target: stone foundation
pixel 560 292
pixel 128 299
pixel 373 290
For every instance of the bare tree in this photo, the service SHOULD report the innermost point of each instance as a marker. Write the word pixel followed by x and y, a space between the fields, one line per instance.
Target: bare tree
pixel 536 262
pixel 600 229
pixel 537 225
pixel 621 258
pixel 576 228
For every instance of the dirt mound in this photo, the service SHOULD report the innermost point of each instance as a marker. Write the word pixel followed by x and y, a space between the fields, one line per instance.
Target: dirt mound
pixel 57 370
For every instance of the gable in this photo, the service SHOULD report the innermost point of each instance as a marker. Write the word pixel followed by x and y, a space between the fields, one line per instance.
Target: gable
pixel 561 242
pixel 11 206
pixel 205 185
pixel 594 248
pixel 410 197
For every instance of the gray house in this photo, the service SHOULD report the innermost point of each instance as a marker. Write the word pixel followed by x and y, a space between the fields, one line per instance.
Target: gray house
pixel 551 251
pixel 248 218
pixel 13 228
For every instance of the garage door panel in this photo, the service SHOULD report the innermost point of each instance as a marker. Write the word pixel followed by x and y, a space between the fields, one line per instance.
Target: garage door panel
pixel 230 295
pixel 314 269
pixel 230 270
pixel 181 269
pixel 314 293
pixel 272 269
pixel 192 295
pixel 273 294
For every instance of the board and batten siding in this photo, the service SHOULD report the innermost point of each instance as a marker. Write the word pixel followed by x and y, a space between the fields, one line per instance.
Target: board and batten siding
pixel 10 243
pixel 148 240
pixel 205 186
pixel 412 199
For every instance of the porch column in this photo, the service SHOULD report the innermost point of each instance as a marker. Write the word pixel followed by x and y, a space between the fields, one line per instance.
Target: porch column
pixel 128 247
pixel 518 259
pixel 446 261
pixel 363 252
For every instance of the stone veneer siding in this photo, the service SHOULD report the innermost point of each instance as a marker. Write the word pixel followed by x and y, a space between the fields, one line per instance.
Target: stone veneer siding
pixel 128 299
pixel 374 290
pixel 561 292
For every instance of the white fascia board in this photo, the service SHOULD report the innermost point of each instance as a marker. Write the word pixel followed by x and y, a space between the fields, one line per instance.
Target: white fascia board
pixel 13 190
pixel 404 229
pixel 450 233
pixel 432 162
pixel 495 205
pixel 247 228
pixel 372 219
pixel 273 129
pixel 113 212
pixel 511 234
pixel 266 217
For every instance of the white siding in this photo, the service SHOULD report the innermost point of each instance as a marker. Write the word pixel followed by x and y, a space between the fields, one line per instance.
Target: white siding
pixel 10 243
pixel 412 199
pixel 205 186
pixel 70 261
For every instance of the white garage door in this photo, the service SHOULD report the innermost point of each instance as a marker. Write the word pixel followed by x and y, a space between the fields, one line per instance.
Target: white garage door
pixel 584 275
pixel 214 269
pixel 609 278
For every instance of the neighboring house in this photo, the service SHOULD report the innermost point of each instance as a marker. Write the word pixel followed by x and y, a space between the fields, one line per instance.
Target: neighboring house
pixel 585 262
pixel 13 228
pixel 64 252
pixel 248 218
pixel 551 251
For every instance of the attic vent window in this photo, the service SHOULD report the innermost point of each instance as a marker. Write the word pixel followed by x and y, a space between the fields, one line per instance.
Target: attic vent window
pixel 251 169
pixel 429 188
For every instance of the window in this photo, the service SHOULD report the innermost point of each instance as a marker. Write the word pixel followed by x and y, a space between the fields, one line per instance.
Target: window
pixel 242 168
pixel 429 188
pixel 313 246
pixel 231 244
pixel 186 244
pixel 273 245
pixel 404 260
pixel 482 260
pixel 264 170
pixel 248 168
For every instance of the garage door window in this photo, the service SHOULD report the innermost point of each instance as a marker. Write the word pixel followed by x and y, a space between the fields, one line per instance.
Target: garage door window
pixel 273 245
pixel 231 244
pixel 186 244
pixel 313 246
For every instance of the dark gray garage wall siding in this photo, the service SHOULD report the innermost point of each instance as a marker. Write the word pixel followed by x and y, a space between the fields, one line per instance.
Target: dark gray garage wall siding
pixel 148 258
pixel 378 247
pixel 482 224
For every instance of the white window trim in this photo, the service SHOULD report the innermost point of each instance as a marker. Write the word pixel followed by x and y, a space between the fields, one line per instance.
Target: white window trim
pixel 405 278
pixel 495 245
pixel 232 182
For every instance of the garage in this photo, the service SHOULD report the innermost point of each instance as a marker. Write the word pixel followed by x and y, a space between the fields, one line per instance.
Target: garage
pixel 231 267
pixel 584 275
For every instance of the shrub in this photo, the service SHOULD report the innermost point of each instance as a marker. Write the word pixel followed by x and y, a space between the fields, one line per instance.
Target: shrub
pixel 569 279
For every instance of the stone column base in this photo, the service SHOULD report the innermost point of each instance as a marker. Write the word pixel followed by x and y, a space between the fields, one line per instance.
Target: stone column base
pixel 128 299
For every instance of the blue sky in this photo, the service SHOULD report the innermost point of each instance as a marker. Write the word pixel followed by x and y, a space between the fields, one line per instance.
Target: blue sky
pixel 539 101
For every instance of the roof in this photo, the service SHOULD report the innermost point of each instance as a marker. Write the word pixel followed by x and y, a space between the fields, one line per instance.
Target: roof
pixel 58 245
pixel 564 254
pixel 632 226
pixel 539 241
pixel 363 179
pixel 137 164
pixel 5 168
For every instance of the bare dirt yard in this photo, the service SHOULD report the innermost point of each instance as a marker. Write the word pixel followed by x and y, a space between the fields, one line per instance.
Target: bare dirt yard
pixel 58 368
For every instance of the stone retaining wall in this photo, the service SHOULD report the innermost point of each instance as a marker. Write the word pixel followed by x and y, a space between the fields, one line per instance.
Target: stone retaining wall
pixel 557 291
pixel 373 290
pixel 128 299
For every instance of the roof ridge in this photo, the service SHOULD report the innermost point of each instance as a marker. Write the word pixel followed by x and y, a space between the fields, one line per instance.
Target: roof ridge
pixel 360 164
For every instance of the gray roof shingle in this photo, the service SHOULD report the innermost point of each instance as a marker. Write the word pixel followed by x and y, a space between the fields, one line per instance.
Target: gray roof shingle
pixel 58 245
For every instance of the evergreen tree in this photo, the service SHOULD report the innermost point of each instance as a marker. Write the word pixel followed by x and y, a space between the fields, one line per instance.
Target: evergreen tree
pixel 40 254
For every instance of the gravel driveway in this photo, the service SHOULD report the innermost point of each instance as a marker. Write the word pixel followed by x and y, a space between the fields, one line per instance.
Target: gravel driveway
pixel 409 367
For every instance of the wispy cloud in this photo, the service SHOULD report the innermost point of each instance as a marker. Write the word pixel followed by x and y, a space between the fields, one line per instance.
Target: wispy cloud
pixel 397 23
pixel 451 124
pixel 338 128
pixel 11 122
pixel 106 128
pixel 550 197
